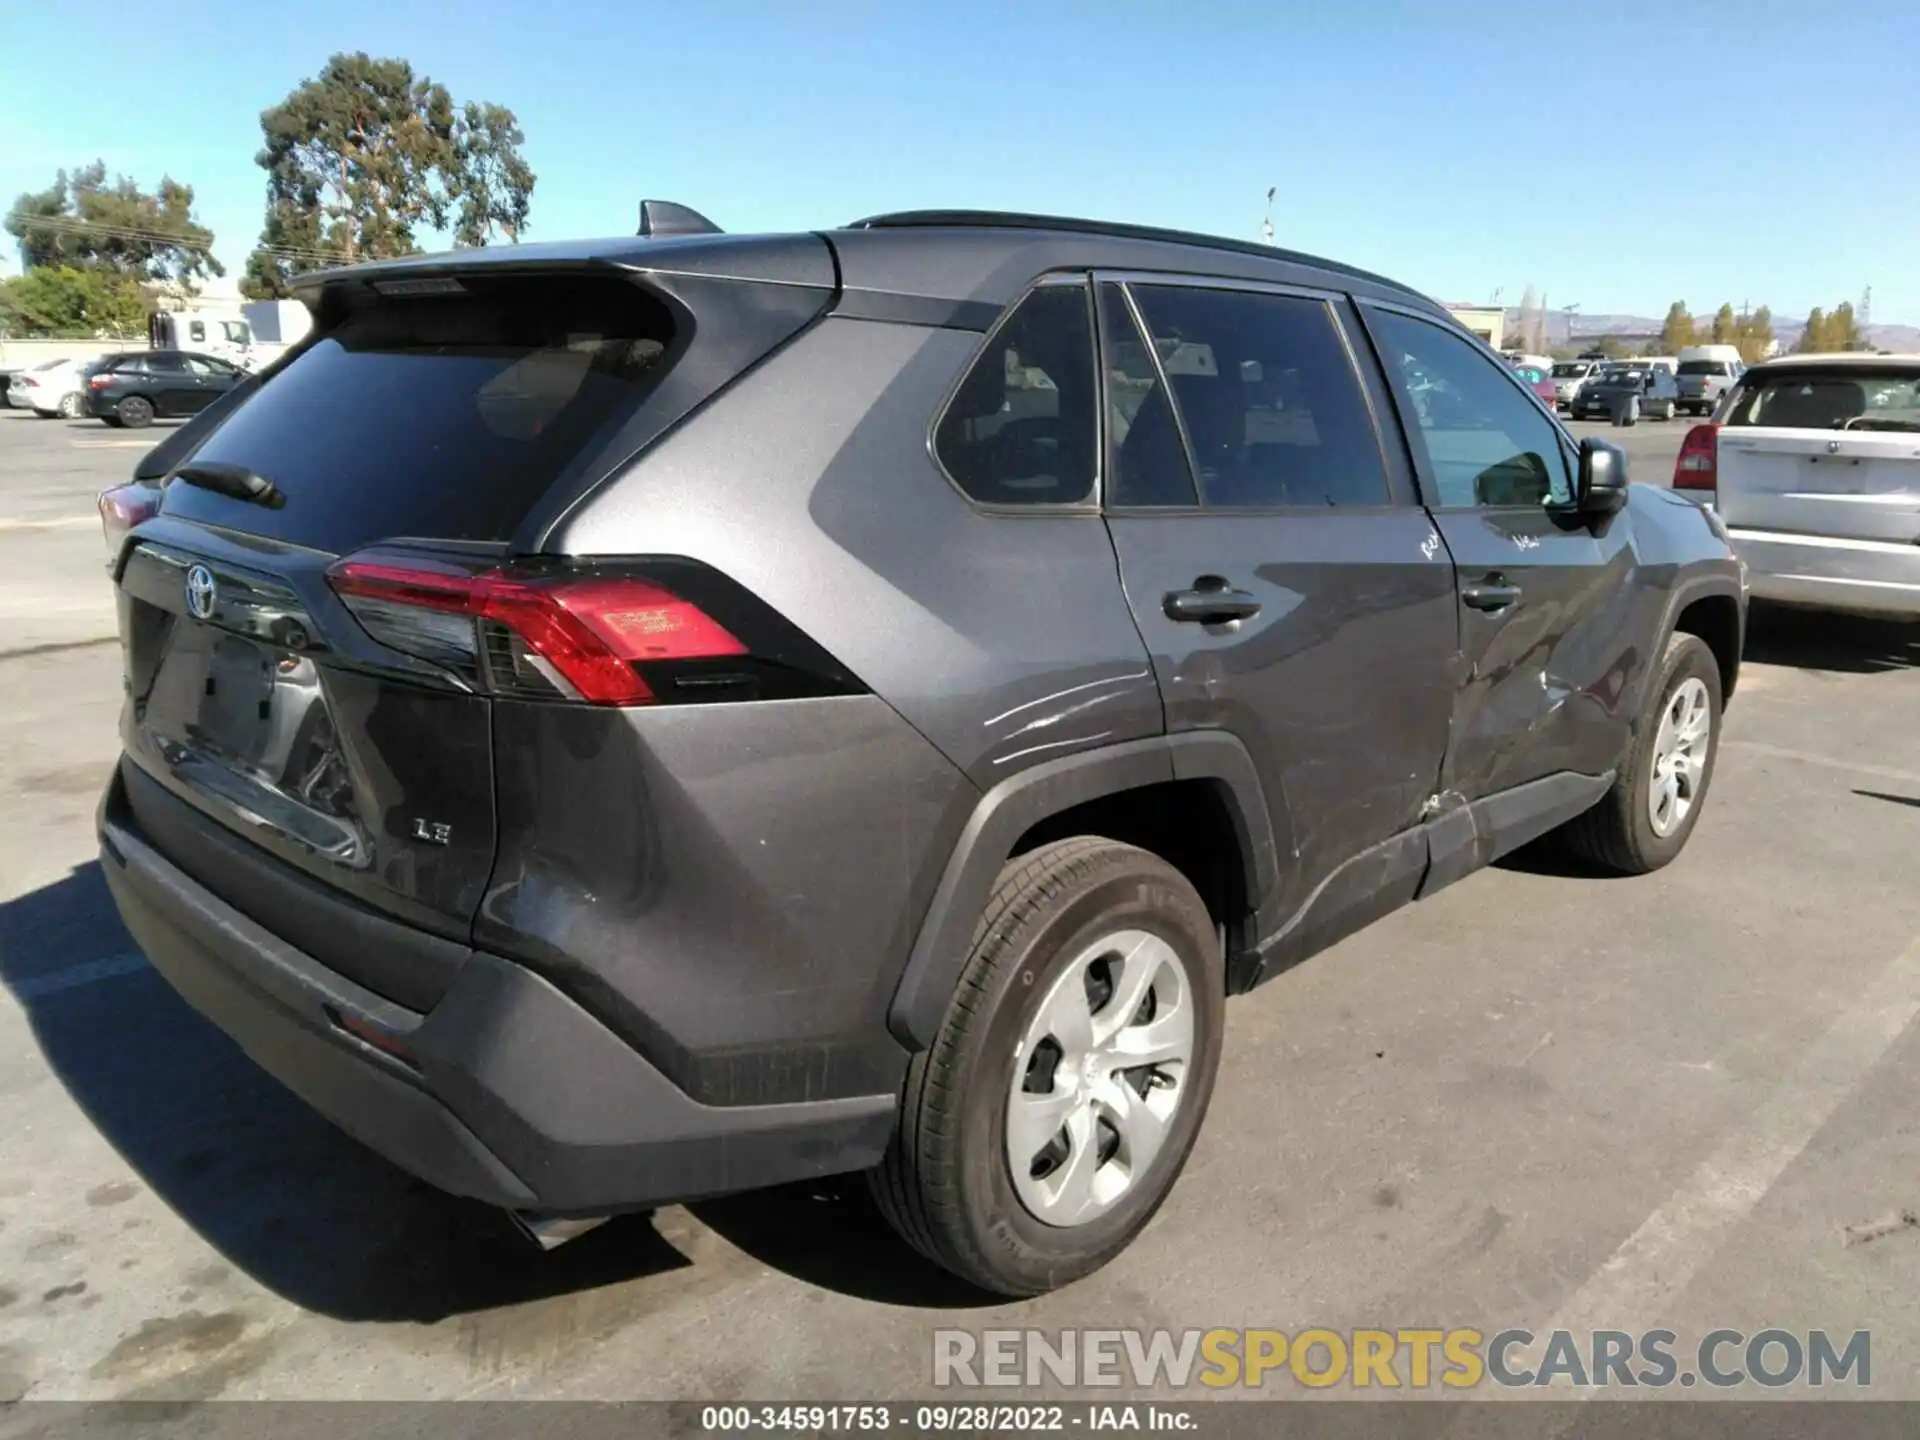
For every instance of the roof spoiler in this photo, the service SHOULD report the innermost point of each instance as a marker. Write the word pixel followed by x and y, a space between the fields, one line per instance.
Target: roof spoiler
pixel 663 217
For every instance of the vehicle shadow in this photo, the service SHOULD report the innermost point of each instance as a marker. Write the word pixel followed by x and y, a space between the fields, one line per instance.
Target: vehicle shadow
pixel 314 1216
pixel 1553 857
pixel 1822 640
pixel 831 1234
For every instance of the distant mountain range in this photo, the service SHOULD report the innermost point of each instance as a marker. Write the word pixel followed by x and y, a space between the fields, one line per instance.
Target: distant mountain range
pixel 1903 338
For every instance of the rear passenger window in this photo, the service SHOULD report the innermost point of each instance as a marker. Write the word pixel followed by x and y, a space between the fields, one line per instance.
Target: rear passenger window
pixel 1273 411
pixel 1487 442
pixel 1021 428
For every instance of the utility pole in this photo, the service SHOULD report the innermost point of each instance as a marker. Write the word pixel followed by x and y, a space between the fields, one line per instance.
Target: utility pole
pixel 1866 316
pixel 1266 225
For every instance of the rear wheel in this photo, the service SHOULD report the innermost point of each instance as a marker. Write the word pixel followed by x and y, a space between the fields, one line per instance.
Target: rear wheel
pixel 1055 1109
pixel 134 412
pixel 1645 819
pixel 70 406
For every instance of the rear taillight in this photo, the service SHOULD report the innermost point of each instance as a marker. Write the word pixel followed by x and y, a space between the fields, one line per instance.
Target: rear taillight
pixel 99 382
pixel 1698 467
pixel 124 507
pixel 585 636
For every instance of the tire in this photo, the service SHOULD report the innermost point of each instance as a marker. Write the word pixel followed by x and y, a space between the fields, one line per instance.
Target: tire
pixel 70 406
pixel 135 412
pixel 948 1183
pixel 1620 834
pixel 112 420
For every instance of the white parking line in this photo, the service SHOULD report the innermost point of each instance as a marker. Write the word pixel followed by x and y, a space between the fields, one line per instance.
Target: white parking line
pixel 1636 1286
pixel 1831 762
pixel 64 522
pixel 35 987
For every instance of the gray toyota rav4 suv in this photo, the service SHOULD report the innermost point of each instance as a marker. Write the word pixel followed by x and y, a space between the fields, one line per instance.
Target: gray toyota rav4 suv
pixel 620 722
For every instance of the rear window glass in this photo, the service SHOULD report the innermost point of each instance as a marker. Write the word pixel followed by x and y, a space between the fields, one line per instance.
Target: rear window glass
pixel 1570 372
pixel 1705 367
pixel 1851 399
pixel 1271 408
pixel 442 415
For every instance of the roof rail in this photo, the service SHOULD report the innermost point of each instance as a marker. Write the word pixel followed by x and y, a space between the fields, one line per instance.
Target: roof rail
pixel 663 218
pixel 1015 220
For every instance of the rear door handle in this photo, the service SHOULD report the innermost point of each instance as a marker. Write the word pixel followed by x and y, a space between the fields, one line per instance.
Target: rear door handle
pixel 1210 605
pixel 1493 593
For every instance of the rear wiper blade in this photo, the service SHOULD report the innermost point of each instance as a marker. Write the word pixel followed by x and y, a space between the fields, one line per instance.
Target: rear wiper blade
pixel 235 481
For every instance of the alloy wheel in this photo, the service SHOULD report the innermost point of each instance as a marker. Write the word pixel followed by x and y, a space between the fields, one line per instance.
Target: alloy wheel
pixel 1680 755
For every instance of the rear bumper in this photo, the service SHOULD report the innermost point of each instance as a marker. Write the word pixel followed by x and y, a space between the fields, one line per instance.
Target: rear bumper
pixel 513 1094
pixel 1875 577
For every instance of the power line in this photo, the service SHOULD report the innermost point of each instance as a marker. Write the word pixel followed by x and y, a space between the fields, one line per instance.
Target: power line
pixel 84 229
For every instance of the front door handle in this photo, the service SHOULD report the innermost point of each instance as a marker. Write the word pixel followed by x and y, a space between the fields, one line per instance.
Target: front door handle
pixel 1493 593
pixel 1210 605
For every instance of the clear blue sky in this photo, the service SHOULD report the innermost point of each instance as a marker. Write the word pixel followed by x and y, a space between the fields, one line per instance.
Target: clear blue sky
pixel 1618 156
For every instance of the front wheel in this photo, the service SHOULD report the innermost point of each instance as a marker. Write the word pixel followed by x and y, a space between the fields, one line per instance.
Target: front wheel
pixel 134 412
pixel 1643 822
pixel 1057 1105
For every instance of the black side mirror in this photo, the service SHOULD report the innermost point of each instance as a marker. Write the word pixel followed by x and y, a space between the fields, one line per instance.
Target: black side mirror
pixel 1603 478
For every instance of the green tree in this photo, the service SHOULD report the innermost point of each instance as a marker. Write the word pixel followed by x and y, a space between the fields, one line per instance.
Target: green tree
pixel 367 154
pixel 66 301
pixel 1755 335
pixel 1813 340
pixel 83 221
pixel 494 183
pixel 1724 325
pixel 1843 331
pixel 1677 333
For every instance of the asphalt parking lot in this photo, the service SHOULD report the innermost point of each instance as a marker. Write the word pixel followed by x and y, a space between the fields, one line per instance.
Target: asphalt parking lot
pixel 1537 1099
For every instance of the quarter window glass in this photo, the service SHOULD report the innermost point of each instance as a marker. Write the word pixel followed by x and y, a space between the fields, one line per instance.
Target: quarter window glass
pixel 1020 430
pixel 1486 441
pixel 1146 463
pixel 1264 386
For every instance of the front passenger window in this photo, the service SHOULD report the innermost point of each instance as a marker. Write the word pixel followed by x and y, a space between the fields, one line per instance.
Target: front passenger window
pixel 1487 443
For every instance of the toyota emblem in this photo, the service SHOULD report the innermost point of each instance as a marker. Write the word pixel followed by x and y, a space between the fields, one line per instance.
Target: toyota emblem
pixel 201 592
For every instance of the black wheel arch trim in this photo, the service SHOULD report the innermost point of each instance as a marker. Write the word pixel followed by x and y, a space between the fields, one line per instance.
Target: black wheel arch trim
pixel 1685 592
pixel 1016 804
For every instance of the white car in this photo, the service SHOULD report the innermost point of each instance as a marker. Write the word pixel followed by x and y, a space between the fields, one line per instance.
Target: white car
pixel 1813 463
pixel 53 387
pixel 1568 376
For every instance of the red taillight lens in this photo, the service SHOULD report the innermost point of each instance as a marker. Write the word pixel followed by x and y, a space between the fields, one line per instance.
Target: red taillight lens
pixel 1698 467
pixel 124 507
pixel 564 636
pixel 99 382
